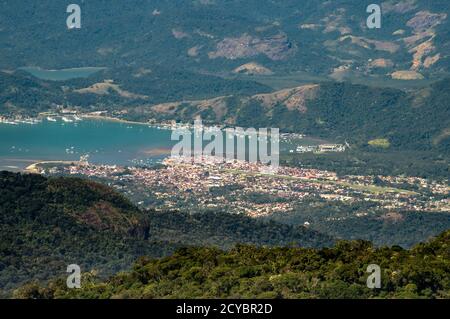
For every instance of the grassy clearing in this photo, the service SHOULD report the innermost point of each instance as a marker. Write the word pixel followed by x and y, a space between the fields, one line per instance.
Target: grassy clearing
pixel 380 143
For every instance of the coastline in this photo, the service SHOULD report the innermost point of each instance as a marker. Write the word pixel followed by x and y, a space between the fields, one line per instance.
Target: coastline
pixel 33 167
pixel 112 119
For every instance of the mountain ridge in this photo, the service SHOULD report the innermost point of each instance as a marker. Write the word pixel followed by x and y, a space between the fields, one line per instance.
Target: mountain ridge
pixel 47 224
pixel 334 110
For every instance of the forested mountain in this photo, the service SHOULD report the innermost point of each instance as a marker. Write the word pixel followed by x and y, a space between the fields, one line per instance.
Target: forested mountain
pixel 48 224
pixel 320 37
pixel 251 272
pixel 403 228
pixel 22 93
pixel 417 120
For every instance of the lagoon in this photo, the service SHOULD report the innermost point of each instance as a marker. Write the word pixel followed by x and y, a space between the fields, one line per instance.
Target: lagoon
pixel 63 74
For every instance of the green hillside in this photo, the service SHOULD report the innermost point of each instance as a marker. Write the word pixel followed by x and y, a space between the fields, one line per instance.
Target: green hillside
pixel 316 36
pixel 21 93
pixel 162 51
pixel 47 224
pixel 250 272
pixel 361 115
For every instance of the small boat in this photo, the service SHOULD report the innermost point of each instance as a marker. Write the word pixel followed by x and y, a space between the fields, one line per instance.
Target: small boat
pixel 77 118
pixel 67 120
pixel 51 119
pixel 10 122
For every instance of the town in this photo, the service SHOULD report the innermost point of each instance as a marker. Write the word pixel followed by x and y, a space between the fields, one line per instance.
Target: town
pixel 243 187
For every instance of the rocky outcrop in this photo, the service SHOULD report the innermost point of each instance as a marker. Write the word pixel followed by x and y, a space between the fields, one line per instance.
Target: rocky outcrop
pixel 407 75
pixel 277 47
pixel 252 68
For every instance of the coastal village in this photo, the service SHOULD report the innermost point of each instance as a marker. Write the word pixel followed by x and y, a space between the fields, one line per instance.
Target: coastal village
pixel 74 116
pixel 245 188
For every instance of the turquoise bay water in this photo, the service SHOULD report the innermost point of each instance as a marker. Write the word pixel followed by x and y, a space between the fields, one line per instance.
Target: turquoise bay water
pixel 105 141
pixel 61 75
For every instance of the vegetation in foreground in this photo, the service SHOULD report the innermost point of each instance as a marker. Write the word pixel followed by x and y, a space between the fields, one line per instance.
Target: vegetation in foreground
pixel 252 272
pixel 49 223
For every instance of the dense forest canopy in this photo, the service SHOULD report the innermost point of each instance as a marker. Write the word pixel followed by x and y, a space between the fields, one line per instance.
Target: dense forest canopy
pixel 251 272
pixel 49 223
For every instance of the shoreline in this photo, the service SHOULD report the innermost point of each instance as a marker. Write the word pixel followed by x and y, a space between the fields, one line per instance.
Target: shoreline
pixel 159 125
pixel 112 119
pixel 33 167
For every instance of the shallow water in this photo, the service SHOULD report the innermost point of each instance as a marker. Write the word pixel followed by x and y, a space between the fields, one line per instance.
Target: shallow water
pixel 61 75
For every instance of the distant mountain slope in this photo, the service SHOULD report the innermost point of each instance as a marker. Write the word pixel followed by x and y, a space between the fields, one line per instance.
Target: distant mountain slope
pixel 47 224
pixel 225 230
pixel 20 93
pixel 251 272
pixel 114 89
pixel 416 120
pixel 321 37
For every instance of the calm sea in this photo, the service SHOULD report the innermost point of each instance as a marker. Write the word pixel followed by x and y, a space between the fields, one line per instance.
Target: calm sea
pixel 105 141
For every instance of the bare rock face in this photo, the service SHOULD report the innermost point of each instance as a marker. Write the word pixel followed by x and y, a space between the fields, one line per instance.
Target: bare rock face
pixel 277 47
pixel 423 24
pixel 179 34
pixel 398 6
pixel 407 75
pixel 253 68
pixel 429 61
pixel 387 46
pixel 293 99
pixel 381 63
pixel 194 51
pixel 425 20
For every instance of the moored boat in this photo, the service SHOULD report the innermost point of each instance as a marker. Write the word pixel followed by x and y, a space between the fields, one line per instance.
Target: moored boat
pixel 67 120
